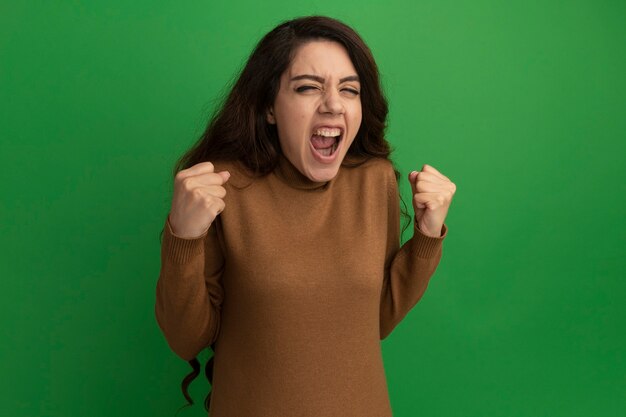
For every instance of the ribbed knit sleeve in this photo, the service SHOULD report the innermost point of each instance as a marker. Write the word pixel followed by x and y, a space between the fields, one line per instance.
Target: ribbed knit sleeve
pixel 188 292
pixel 408 268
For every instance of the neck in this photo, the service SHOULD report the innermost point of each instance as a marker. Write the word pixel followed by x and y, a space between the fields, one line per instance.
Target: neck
pixel 287 172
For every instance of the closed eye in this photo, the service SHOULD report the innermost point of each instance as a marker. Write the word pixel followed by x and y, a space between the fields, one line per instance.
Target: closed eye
pixel 310 87
pixel 304 88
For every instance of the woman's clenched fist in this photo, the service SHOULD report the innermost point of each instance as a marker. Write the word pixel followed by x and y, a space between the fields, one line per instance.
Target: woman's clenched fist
pixel 432 195
pixel 198 199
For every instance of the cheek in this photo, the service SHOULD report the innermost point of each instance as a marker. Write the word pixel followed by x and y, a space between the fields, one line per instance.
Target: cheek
pixel 290 133
pixel 356 109
pixel 292 124
pixel 357 117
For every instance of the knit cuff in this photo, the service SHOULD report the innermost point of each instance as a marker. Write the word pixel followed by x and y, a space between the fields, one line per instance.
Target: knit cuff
pixel 179 249
pixel 427 246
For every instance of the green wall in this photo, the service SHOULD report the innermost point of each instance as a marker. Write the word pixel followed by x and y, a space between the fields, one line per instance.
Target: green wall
pixel 520 103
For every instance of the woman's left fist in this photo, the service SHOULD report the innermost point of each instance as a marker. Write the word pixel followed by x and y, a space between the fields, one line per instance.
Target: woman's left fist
pixel 432 195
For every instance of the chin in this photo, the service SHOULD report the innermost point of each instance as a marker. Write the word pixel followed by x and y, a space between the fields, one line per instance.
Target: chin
pixel 324 174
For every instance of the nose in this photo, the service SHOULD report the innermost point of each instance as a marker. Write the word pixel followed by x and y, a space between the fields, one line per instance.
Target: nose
pixel 331 102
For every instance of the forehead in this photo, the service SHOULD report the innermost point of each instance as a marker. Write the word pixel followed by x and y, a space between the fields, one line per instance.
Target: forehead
pixel 323 58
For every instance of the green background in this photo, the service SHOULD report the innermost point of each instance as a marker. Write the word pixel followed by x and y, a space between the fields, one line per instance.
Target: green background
pixel 520 103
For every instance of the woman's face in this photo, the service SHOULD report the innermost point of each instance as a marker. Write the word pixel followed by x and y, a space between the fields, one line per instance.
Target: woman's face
pixel 317 110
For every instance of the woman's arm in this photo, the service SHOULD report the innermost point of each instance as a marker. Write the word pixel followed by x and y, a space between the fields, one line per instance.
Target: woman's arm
pixel 408 268
pixel 188 292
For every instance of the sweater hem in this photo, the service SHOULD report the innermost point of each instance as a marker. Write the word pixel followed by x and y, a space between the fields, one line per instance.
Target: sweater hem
pixel 178 249
pixel 427 246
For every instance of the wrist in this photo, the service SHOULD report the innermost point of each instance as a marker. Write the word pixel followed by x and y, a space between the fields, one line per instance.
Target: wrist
pixel 427 232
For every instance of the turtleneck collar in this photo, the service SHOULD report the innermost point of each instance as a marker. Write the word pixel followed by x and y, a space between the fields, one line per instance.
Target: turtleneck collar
pixel 289 174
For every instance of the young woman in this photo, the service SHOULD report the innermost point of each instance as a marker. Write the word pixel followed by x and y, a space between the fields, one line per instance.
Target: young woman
pixel 281 250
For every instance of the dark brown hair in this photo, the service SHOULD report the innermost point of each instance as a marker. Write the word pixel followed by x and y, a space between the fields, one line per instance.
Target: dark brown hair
pixel 239 131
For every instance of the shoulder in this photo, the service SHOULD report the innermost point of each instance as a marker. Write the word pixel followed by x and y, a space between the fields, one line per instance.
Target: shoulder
pixel 372 170
pixel 240 176
pixel 228 165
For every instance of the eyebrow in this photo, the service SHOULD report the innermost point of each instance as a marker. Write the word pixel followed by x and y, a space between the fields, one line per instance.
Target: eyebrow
pixel 321 79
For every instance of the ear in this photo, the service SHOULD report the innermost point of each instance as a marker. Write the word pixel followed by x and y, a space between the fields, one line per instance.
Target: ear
pixel 270 116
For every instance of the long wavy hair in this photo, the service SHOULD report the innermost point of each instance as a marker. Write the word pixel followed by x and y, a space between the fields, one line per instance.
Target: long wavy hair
pixel 239 131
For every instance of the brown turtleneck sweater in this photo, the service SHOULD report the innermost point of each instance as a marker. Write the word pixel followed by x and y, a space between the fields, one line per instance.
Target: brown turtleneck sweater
pixel 296 282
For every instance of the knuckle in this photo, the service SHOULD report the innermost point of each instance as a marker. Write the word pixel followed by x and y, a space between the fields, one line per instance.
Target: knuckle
pixel 196 194
pixel 180 176
pixel 214 201
pixel 208 204
pixel 187 184
pixel 217 207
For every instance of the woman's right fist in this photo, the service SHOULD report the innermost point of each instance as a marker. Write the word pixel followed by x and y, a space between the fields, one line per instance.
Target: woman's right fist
pixel 198 199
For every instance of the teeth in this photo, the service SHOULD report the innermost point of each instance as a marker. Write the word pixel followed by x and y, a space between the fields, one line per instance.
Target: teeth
pixel 328 132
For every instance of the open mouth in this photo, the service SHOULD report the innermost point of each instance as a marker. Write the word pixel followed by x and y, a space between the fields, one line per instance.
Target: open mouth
pixel 326 141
